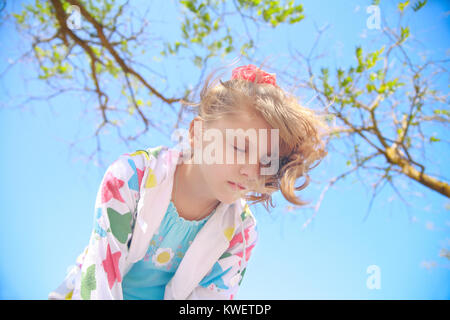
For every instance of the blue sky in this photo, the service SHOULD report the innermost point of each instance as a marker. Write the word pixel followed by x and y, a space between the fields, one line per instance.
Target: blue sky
pixel 48 189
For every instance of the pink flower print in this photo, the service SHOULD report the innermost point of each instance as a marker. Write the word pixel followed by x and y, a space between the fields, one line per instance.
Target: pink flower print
pixel 111 266
pixel 146 257
pixel 111 188
pixel 238 238
pixel 247 253
pixel 160 238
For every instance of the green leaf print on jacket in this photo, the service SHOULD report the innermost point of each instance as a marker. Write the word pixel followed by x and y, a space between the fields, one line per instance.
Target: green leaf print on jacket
pixel 88 282
pixel 120 224
pixel 153 151
pixel 245 213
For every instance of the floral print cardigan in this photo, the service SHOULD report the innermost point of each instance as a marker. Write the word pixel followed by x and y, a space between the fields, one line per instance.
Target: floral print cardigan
pixel 131 202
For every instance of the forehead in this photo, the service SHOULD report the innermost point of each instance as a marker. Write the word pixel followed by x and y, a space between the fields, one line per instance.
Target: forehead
pixel 246 121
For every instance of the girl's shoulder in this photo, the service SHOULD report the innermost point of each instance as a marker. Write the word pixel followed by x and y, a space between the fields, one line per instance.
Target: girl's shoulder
pixel 148 154
pixel 141 158
pixel 132 166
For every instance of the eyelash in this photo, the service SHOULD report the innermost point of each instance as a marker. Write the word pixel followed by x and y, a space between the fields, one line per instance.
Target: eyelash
pixel 264 165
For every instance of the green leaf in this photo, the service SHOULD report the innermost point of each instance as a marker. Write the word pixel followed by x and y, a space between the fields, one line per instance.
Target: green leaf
pixel 216 24
pixel 359 52
pixel 382 88
pixel 206 17
pixel 189 4
pixel 346 81
pixel 442 111
pixel 246 46
pixel 297 19
pixel 198 61
pixel 434 139
pixel 419 5
pixel 184 32
pixel 380 74
pixel 402 5
pixel 404 34
pixel 96 51
pixel 370 87
pixel 39 52
pixel 20 18
pixel 408 142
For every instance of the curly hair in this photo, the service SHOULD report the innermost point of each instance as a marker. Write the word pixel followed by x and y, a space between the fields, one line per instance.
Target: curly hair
pixel 301 131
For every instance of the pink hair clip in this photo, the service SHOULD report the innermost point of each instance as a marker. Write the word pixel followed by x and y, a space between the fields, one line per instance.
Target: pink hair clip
pixel 249 73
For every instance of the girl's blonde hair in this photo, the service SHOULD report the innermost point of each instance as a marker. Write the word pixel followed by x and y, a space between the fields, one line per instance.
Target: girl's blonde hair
pixel 300 130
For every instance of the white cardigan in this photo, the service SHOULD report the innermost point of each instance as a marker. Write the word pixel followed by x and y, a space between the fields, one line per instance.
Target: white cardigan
pixel 131 202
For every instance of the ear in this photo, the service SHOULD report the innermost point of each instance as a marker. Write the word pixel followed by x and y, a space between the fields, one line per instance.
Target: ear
pixel 191 130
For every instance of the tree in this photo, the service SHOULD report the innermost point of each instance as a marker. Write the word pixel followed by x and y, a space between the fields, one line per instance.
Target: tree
pixel 95 48
pixel 99 48
pixel 383 113
pixel 387 116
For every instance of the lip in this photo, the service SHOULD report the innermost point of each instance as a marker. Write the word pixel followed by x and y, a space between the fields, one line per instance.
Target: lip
pixel 236 185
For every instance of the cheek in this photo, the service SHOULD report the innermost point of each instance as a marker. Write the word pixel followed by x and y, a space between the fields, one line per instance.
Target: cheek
pixel 223 172
pixel 219 175
pixel 213 173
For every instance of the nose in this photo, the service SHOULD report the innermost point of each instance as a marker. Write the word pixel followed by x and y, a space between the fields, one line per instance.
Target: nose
pixel 249 171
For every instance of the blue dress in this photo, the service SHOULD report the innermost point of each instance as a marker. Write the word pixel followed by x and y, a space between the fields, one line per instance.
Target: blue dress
pixel 147 278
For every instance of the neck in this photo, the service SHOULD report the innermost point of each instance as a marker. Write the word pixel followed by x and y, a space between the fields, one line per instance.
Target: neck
pixel 192 199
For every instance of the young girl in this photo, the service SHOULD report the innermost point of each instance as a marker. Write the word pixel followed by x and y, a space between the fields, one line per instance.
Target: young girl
pixel 167 226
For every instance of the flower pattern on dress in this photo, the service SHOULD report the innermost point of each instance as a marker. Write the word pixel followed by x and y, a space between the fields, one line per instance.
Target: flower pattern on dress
pixel 162 256
pixel 160 253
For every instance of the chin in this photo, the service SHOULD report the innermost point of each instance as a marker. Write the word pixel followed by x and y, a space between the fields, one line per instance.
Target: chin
pixel 230 200
pixel 227 200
